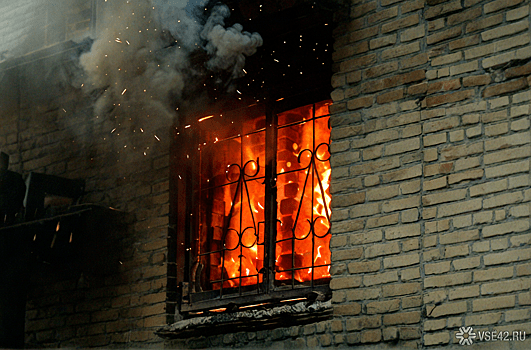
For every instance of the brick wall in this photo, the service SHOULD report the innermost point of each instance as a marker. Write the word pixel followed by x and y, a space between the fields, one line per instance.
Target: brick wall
pixel 53 130
pixel 430 182
pixel 29 25
pixel 431 214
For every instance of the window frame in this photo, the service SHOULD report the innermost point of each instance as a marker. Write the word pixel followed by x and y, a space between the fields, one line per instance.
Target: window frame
pixel 184 210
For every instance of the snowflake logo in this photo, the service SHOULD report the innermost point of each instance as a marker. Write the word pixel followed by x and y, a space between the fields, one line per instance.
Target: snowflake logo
pixel 465 335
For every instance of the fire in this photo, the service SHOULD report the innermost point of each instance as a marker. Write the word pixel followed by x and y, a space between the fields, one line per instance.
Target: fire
pixel 303 207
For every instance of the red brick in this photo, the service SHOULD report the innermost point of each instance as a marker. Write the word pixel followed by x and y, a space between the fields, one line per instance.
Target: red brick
pixel 444 35
pixel 390 96
pixel 464 42
pixel 434 169
pixel 484 23
pixel 363 34
pixel 360 102
pixel 476 80
pixel 400 23
pixel 447 85
pixel 381 15
pixel 500 4
pixel 417 89
pixel 396 80
pixel 360 10
pixel 463 16
pixel 503 88
pixel 411 6
pixel 518 71
pixel 357 62
pixel 354 77
pixel 446 7
pixel 381 69
pixel 448 98
pixel 414 61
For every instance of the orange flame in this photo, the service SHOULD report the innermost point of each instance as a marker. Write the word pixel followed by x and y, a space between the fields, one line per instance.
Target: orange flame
pixel 303 238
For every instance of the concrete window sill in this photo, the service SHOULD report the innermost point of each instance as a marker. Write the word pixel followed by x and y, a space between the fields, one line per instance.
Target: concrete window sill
pixel 278 316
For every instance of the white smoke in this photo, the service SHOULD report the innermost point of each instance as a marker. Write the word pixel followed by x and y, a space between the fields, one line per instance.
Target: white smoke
pixel 228 47
pixel 139 65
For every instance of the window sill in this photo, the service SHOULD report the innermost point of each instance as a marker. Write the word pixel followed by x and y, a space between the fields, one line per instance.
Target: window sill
pixel 240 321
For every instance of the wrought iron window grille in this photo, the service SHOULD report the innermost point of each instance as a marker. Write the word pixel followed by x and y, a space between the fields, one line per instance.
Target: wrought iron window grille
pixel 256 209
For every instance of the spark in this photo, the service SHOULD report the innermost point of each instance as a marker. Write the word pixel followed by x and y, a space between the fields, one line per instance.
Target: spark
pixel 274 59
pixel 142 130
pixel 113 130
pixel 118 40
pixel 157 137
pixel 127 42
pixel 238 91
pixel 64 110
pixel 205 118
pixel 187 126
pixel 123 92
pixel 244 71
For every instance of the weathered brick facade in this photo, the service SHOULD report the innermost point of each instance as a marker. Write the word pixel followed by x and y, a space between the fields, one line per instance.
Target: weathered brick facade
pixel 431 218
pixel 57 134
pixel 431 187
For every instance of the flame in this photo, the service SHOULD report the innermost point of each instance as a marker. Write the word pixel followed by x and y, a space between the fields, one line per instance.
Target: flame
pixel 310 257
pixel 304 190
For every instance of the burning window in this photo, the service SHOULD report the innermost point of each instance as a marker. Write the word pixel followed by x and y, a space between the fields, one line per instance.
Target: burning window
pixel 261 203
pixel 251 176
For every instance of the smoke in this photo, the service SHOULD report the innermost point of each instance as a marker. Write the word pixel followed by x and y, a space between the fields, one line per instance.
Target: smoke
pixel 228 47
pixel 139 69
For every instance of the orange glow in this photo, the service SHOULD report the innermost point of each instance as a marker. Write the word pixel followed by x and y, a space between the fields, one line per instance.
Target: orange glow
pixel 236 215
pixel 303 234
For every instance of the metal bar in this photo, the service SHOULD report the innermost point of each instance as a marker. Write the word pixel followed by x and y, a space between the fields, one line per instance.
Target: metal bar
pixel 270 207
pixel 39 221
pixel 204 301
pixel 175 261
pixel 242 187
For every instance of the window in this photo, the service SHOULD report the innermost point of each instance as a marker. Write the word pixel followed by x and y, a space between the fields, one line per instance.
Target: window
pixel 250 186
pixel 259 200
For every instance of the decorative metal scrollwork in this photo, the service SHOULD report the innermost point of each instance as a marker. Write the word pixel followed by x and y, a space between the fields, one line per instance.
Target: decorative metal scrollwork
pixel 311 169
pixel 241 182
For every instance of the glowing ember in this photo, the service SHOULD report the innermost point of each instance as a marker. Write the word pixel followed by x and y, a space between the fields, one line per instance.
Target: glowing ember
pixel 205 118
